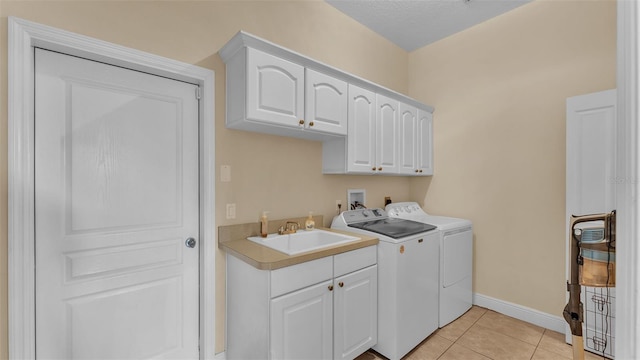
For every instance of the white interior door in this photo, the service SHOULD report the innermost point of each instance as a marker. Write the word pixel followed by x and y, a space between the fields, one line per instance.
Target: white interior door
pixel 591 173
pixel 116 196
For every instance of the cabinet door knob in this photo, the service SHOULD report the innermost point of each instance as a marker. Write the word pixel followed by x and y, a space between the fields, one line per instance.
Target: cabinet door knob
pixel 301 122
pixel 417 170
pixel 341 284
pixel 311 123
pixel 420 170
pixel 380 169
pixel 330 287
pixel 373 168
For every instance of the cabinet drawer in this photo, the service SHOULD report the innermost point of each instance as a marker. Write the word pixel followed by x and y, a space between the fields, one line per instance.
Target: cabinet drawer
pixel 354 260
pixel 296 277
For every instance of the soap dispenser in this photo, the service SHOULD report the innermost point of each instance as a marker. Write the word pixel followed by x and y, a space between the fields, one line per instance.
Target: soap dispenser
pixel 309 224
pixel 264 224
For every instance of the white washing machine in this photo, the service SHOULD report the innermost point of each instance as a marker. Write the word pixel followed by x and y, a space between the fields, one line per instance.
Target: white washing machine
pixel 407 277
pixel 456 258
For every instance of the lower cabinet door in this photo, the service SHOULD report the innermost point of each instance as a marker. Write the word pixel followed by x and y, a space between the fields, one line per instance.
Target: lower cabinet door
pixel 302 323
pixel 355 313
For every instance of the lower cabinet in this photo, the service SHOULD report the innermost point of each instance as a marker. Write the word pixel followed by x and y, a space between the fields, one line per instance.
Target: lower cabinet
pixel 335 318
pixel 355 313
pixel 302 324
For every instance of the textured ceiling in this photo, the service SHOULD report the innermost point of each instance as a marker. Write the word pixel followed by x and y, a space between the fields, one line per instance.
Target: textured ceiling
pixel 412 24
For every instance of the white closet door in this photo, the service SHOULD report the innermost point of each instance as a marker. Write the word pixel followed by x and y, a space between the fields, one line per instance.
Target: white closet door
pixel 591 186
pixel 116 198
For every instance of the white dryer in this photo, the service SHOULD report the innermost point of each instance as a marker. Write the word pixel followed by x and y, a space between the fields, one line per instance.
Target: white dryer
pixel 456 258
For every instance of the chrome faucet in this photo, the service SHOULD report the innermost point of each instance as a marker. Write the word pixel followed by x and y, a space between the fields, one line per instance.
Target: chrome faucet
pixel 290 227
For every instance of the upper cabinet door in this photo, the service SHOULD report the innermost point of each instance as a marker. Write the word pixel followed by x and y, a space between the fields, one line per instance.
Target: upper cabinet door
pixel 425 142
pixel 408 162
pixel 361 131
pixel 387 150
pixel 275 89
pixel 325 103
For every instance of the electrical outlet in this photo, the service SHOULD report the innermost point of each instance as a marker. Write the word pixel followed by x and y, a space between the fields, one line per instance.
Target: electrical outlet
pixel 231 211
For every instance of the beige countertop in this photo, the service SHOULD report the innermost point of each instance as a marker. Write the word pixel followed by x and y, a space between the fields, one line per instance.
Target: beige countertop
pixel 235 243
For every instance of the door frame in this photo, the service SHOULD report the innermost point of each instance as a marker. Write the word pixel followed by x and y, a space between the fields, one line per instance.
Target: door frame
pixel 23 36
pixel 628 181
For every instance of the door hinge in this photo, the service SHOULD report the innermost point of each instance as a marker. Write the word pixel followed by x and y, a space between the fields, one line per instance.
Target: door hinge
pixel 198 92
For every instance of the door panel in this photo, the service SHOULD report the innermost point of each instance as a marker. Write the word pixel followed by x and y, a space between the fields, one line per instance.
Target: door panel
pixel 386 151
pixel 111 133
pixel 424 142
pixel 355 313
pixel 302 324
pixel 457 257
pixel 407 140
pixel 275 89
pixel 361 130
pixel 116 197
pixel 129 326
pixel 325 103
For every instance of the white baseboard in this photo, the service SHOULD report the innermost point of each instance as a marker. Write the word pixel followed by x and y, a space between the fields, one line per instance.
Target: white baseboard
pixel 547 321
pixel 220 356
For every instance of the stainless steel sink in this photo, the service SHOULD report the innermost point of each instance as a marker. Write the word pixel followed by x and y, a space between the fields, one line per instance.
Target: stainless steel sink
pixel 302 241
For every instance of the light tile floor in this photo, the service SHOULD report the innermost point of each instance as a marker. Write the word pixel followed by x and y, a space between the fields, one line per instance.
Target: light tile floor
pixel 484 334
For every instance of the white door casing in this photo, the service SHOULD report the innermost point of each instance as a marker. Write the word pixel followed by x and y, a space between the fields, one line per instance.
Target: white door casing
pixel 627 182
pixel 116 196
pixel 23 37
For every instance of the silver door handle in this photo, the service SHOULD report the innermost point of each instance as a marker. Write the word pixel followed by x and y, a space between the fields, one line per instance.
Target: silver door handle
pixel 190 242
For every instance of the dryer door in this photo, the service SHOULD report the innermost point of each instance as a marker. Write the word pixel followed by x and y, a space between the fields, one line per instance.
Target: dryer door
pixel 457 257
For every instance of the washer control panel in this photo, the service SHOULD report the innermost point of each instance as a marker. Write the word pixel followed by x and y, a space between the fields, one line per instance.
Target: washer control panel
pixel 400 209
pixel 359 215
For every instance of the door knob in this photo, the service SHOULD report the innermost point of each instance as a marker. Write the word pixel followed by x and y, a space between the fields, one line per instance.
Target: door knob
pixel 190 242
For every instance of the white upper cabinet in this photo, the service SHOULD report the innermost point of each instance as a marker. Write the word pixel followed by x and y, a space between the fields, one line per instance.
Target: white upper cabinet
pixel 361 154
pixel 407 163
pixel 372 137
pixel 270 94
pixel 415 141
pixel 387 134
pixel 365 128
pixel 275 90
pixel 325 103
pixel 424 143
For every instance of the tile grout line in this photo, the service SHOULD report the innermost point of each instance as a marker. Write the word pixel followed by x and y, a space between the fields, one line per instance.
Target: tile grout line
pixel 513 337
pixel 461 335
pixel 538 344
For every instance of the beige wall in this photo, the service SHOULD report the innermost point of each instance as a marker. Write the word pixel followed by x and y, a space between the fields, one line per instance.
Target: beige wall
pixel 272 173
pixel 499 91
